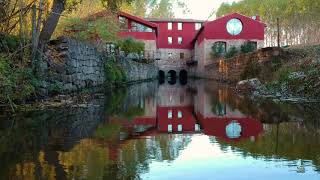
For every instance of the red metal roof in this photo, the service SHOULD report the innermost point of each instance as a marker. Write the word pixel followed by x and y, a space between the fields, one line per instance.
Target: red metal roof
pixel 173 20
pixel 138 19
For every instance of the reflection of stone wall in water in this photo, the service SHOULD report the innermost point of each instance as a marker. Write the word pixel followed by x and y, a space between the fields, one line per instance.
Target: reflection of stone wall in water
pixel 71 124
pixel 169 95
pixel 142 95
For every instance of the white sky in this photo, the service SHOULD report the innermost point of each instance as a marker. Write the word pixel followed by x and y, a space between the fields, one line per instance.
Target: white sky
pixel 201 9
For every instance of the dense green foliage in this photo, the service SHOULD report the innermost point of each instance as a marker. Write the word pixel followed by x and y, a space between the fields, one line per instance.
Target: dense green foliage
pixel 104 28
pixel 299 19
pixel 16 82
pixel 114 73
pixel 231 52
pixel 248 47
pixel 217 49
pixel 130 45
pixel 155 8
pixel 8 43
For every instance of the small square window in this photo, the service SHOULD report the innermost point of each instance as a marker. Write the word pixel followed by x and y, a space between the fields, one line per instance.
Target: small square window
pixel 170 114
pixel 169 25
pixel 179 114
pixel 180 127
pixel 181 55
pixel 169 127
pixel 180 26
pixel 197 127
pixel 169 40
pixel 197 26
pixel 179 40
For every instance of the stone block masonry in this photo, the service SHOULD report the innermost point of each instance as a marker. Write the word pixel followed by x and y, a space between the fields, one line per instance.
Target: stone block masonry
pixel 76 65
pixel 136 71
pixel 229 70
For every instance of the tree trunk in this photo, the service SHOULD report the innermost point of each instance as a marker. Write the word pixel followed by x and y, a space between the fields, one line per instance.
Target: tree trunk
pixel 52 21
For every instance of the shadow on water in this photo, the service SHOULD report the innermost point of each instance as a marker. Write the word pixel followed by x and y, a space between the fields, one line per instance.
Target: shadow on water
pixel 126 130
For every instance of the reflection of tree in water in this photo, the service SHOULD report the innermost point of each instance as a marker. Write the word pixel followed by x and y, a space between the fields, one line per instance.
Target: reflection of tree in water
pixel 291 141
pixel 136 155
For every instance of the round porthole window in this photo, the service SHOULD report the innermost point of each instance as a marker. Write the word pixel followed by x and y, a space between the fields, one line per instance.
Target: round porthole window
pixel 234 26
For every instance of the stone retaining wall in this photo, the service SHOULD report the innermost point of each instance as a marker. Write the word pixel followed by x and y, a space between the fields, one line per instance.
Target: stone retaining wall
pixel 136 71
pixel 230 69
pixel 76 65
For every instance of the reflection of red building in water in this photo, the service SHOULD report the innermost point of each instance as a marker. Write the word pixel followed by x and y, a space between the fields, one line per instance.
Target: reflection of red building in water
pixel 230 128
pixel 176 119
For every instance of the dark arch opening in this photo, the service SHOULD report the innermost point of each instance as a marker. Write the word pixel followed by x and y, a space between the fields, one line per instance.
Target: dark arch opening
pixel 162 76
pixel 172 77
pixel 183 77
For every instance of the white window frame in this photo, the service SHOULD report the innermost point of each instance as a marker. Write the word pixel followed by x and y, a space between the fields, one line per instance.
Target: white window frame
pixel 170 114
pixel 170 40
pixel 180 26
pixel 169 127
pixel 170 25
pixel 179 114
pixel 197 26
pixel 180 40
pixel 180 128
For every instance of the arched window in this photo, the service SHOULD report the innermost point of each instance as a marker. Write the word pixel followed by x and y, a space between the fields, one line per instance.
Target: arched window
pixel 218 48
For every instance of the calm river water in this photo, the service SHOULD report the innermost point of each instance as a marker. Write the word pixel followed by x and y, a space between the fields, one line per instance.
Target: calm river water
pixel 200 130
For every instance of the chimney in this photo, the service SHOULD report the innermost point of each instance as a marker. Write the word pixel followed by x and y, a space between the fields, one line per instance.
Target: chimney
pixel 257 18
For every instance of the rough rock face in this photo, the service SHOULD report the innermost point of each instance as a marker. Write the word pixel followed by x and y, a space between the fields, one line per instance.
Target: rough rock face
pixel 75 65
pixel 138 71
pixel 252 86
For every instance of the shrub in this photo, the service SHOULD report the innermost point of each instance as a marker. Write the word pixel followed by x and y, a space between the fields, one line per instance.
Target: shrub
pixel 217 49
pixel 16 83
pixel 114 73
pixel 282 75
pixel 104 28
pixel 248 47
pixel 252 70
pixel 130 45
pixel 231 52
pixel 8 43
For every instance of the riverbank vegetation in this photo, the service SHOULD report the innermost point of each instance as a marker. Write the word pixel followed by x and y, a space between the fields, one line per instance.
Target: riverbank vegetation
pixel 293 74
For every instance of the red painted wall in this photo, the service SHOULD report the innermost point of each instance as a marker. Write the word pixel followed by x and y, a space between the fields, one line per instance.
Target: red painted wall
pixel 139 35
pixel 252 29
pixel 187 121
pixel 187 33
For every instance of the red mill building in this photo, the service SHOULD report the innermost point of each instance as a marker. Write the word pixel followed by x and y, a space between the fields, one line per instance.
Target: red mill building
pixel 181 41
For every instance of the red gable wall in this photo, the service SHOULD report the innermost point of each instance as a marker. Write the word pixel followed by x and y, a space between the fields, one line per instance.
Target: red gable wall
pixel 187 33
pixel 252 29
